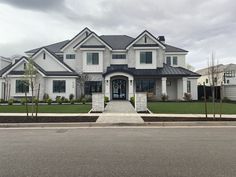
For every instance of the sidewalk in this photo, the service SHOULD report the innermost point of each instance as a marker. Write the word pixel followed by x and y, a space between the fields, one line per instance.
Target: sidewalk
pixel 119 112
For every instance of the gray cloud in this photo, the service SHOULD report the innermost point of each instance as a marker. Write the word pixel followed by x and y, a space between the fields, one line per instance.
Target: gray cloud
pixel 36 4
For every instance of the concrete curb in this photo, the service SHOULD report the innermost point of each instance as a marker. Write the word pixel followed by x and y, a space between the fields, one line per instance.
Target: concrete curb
pixel 146 124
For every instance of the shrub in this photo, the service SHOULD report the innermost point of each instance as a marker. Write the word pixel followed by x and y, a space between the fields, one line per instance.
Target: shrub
pixel 63 99
pixel 49 101
pixel 71 96
pixel 164 97
pixel 36 101
pixel 187 97
pixel 23 101
pixel 83 100
pixel 45 97
pixel 132 100
pixel 66 100
pixel 226 99
pixel 10 101
pixel 59 100
pixel 72 101
pixel 106 99
pixel 2 100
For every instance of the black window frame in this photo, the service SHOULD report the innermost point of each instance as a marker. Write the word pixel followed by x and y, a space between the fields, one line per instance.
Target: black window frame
pixel 22 86
pixel 118 56
pixel 145 85
pixel 188 86
pixel 145 60
pixel 92 87
pixel 44 55
pixel 70 56
pixel 175 60
pixel 168 60
pixel 59 86
pixel 93 59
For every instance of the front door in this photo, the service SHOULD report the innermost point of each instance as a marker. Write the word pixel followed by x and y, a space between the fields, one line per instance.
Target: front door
pixel 119 89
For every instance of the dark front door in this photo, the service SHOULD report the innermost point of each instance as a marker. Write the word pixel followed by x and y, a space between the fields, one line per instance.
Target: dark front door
pixel 119 89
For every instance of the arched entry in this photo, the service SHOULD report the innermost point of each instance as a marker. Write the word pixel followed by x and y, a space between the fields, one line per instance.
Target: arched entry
pixel 118 89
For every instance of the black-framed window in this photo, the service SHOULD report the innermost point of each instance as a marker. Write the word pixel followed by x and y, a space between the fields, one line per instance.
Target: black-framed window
pixel 189 86
pixel 118 56
pixel 168 61
pixel 22 86
pixel 147 85
pixel 230 73
pixel 92 87
pixel 59 86
pixel 206 81
pixel 145 57
pixel 70 56
pixel 44 55
pixel 92 58
pixel 175 60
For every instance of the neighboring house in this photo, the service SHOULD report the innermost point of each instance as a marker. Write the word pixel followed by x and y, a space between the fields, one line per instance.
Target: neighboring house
pixel 117 65
pixel 226 76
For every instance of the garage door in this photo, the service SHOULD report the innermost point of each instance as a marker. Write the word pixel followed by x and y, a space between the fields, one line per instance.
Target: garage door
pixel 230 92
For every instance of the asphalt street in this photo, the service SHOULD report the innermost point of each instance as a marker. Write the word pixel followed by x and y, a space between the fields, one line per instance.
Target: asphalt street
pixel 123 152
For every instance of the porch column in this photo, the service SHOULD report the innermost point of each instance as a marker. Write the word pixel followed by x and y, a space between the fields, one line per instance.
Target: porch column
pixel 107 87
pixel 163 85
pixel 131 87
pixel 184 85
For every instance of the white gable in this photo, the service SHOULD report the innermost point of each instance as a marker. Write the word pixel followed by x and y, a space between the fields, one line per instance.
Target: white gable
pixel 19 67
pixel 49 63
pixel 93 41
pixel 69 47
pixel 148 40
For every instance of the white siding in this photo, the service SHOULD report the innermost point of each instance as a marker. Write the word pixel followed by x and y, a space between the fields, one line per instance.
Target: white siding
pixel 181 59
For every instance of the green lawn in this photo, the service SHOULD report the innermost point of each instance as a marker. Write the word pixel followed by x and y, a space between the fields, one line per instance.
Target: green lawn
pixel 82 108
pixel 189 107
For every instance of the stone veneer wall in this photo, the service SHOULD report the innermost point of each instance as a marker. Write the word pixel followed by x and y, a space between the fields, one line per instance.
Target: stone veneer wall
pixel 141 101
pixel 97 102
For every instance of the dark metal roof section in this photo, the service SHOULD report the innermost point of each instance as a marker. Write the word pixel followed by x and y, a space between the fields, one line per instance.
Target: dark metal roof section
pixel 117 42
pixel 55 48
pixel 166 71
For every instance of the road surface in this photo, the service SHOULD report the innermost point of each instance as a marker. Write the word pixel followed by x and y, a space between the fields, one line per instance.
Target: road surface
pixel 122 152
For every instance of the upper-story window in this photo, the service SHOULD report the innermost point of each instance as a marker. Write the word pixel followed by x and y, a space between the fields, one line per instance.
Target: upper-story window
pixel 168 61
pixel 118 56
pixel 70 56
pixel 230 73
pixel 92 58
pixel 175 60
pixel 145 57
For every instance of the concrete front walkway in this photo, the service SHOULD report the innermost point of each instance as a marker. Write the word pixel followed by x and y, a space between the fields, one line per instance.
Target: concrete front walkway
pixel 114 113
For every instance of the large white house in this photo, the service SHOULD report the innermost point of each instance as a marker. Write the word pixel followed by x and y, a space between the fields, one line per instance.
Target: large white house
pixel 117 65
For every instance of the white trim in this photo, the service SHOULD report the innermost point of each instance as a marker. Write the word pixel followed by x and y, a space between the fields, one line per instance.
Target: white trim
pixel 62 76
pixel 92 49
pixel 17 64
pixel 119 51
pixel 176 53
pixel 43 49
pixel 92 35
pixel 5 59
pixel 145 48
pixel 71 41
pixel 145 33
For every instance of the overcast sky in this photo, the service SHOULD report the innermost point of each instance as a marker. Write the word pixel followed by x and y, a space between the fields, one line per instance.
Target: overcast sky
pixel 199 26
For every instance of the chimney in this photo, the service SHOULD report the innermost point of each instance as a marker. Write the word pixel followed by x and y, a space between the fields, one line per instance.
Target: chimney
pixel 162 39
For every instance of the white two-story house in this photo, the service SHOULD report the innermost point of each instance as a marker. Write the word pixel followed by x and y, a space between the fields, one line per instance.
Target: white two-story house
pixel 117 65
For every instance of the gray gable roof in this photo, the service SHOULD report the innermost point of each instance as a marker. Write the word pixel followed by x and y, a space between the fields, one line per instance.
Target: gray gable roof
pixel 117 42
pixel 55 48
pixel 166 71
pixel 170 48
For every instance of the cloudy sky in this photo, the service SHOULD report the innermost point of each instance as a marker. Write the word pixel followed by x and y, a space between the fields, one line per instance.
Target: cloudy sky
pixel 199 26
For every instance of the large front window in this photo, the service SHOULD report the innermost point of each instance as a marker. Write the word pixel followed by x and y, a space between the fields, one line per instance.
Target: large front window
pixel 59 86
pixel 145 57
pixel 145 85
pixel 92 58
pixel 92 87
pixel 22 86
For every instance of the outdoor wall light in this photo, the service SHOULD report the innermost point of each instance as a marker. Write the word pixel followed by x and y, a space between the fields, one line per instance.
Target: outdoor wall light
pixel 107 81
pixel 131 82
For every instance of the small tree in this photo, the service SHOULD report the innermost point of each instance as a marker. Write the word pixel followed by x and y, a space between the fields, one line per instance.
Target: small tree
pixel 213 77
pixel 30 76
pixel 83 77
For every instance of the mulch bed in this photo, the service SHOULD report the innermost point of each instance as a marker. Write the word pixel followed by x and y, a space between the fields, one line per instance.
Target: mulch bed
pixel 42 119
pixel 183 119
